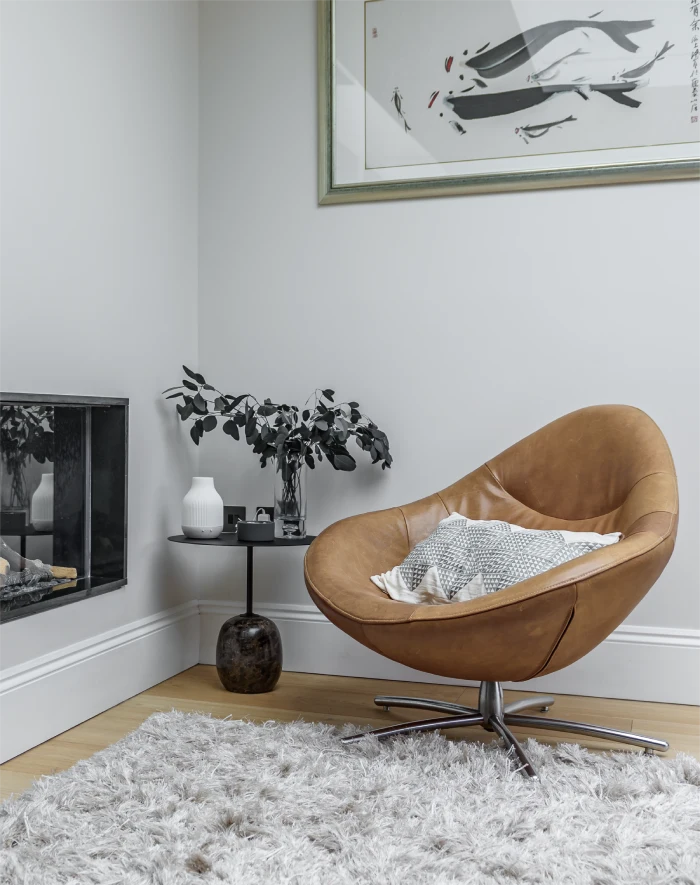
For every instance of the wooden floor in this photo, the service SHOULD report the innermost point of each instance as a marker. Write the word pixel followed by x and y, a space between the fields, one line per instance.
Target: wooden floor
pixel 334 699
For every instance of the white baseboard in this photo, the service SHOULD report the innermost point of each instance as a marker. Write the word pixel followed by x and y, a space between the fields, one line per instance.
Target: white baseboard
pixel 43 697
pixel 636 663
pixel 48 695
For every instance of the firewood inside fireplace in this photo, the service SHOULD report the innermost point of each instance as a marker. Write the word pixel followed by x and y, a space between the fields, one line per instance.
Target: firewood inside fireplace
pixel 18 572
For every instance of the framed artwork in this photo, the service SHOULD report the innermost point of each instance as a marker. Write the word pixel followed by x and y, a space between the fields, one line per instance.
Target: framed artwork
pixel 430 97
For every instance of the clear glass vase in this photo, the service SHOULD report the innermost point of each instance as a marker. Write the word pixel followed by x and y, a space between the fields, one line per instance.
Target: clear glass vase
pixel 290 497
pixel 14 494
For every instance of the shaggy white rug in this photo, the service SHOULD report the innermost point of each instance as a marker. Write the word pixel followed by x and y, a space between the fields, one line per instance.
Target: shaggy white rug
pixel 190 799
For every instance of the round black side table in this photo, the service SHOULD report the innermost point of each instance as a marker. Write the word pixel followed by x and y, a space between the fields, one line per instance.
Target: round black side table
pixel 249 648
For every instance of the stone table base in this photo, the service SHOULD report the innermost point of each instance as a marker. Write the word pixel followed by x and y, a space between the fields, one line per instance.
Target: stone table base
pixel 249 654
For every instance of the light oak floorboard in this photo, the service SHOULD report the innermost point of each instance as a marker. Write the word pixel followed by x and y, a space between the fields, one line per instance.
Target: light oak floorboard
pixel 337 700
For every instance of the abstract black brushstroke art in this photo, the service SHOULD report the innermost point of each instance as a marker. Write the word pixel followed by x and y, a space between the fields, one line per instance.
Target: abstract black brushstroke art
pixel 516 68
pixel 517 51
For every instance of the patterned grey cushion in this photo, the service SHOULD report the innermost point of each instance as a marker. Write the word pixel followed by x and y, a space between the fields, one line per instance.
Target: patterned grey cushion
pixel 465 558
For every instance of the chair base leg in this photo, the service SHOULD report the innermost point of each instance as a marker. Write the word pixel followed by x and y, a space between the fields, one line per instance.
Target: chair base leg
pixel 600 731
pixel 387 701
pixel 540 702
pixel 494 716
pixel 512 743
pixel 422 725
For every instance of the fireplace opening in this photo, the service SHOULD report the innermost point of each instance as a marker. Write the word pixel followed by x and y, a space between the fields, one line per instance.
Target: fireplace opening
pixel 63 500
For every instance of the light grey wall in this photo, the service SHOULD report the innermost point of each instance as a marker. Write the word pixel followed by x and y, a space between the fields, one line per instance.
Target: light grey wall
pixel 460 324
pixel 99 255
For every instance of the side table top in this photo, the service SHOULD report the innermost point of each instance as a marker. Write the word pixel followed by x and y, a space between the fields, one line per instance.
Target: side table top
pixel 230 539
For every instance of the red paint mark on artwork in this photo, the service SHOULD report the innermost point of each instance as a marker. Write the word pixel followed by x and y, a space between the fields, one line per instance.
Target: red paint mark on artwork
pixel 448 63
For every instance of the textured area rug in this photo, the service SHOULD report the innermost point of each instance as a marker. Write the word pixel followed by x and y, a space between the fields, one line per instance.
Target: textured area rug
pixel 191 799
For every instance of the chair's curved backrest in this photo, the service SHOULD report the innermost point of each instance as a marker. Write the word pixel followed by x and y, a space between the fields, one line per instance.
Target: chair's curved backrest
pixel 584 464
pixel 600 468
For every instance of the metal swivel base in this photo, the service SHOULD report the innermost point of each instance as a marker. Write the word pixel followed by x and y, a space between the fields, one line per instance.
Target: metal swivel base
pixel 494 715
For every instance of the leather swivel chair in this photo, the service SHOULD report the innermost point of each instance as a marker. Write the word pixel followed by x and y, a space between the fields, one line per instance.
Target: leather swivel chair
pixel 603 469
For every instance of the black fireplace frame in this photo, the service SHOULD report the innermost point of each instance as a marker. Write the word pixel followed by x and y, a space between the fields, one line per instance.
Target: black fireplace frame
pixel 88 585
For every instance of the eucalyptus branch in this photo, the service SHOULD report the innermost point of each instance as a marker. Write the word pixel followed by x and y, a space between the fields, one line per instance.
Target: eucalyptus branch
pixel 25 432
pixel 282 431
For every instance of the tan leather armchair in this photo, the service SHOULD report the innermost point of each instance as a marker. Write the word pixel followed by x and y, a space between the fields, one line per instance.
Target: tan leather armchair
pixel 602 468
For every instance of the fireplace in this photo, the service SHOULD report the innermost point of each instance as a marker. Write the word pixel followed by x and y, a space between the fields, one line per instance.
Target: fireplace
pixel 63 500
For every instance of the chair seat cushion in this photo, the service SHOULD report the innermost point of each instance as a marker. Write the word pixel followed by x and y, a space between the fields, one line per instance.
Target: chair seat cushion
pixel 467 558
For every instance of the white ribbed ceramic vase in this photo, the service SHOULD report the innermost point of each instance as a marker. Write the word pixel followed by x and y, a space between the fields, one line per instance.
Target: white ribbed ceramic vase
pixel 41 508
pixel 202 509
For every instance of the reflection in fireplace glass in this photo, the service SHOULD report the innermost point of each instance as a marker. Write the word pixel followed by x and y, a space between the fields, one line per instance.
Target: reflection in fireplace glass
pixel 63 500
